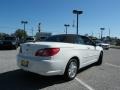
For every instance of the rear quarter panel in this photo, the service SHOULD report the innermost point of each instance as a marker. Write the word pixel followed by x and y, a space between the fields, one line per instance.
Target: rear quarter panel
pixel 66 53
pixel 74 50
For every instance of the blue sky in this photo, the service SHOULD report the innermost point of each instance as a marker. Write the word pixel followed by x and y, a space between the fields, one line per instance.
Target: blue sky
pixel 53 14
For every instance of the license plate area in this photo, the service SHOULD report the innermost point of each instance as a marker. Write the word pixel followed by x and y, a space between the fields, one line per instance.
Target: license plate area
pixel 24 63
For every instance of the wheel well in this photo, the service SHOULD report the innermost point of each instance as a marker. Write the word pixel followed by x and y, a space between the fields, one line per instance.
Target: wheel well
pixel 78 61
pixel 101 52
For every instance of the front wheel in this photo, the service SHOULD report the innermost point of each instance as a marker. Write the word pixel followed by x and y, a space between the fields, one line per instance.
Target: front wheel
pixel 100 59
pixel 71 69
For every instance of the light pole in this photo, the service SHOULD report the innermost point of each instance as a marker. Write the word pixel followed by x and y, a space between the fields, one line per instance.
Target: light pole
pixel 66 25
pixel 102 29
pixel 77 13
pixel 32 31
pixel 24 23
pixel 109 36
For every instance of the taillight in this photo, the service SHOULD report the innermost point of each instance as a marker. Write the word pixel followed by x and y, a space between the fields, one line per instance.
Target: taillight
pixel 47 52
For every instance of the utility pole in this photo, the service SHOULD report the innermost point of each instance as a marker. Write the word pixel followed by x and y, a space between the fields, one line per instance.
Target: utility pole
pixel 109 32
pixel 39 29
pixel 32 31
pixel 109 36
pixel 99 35
pixel 77 13
pixel 66 25
pixel 102 29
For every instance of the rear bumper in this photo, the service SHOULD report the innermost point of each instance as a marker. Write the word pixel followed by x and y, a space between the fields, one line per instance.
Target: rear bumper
pixel 42 67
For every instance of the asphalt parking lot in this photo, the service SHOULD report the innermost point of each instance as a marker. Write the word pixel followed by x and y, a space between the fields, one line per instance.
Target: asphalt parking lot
pixel 104 77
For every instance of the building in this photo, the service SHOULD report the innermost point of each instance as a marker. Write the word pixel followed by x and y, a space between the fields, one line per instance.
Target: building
pixel 41 36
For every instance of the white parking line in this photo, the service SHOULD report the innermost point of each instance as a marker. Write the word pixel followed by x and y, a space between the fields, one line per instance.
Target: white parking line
pixel 84 84
pixel 113 65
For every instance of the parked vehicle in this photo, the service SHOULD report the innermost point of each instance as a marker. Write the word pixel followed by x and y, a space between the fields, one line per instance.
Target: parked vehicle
pixel 104 45
pixel 59 55
pixel 13 40
pixel 30 39
pixel 8 43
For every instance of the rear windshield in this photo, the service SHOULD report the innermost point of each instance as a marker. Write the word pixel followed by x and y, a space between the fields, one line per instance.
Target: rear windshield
pixel 62 38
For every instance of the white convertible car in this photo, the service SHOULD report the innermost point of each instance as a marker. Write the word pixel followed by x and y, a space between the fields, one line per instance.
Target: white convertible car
pixel 59 55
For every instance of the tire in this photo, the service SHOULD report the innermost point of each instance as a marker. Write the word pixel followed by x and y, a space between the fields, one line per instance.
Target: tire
pixel 71 70
pixel 100 59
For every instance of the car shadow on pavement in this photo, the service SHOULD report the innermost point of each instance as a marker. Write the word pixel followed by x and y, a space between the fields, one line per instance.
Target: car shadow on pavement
pixel 21 80
pixel 86 68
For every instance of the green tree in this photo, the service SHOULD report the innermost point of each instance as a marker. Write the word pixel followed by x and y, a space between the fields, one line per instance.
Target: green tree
pixel 3 35
pixel 21 34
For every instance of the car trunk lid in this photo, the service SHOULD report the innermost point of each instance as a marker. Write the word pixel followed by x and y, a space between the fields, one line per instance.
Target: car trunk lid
pixel 29 49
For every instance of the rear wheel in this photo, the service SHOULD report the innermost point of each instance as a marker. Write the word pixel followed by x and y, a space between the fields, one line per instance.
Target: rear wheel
pixel 100 59
pixel 71 69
